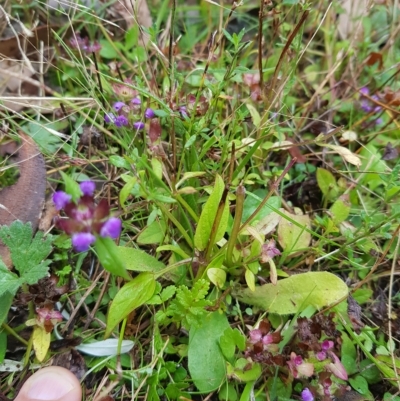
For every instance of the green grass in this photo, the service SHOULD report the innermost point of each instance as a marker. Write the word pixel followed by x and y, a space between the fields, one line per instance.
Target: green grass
pixel 275 150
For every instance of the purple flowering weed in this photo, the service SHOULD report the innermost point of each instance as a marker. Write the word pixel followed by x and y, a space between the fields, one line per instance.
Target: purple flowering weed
pixel 85 219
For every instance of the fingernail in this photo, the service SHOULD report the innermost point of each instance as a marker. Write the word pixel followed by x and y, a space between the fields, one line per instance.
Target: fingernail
pixel 51 386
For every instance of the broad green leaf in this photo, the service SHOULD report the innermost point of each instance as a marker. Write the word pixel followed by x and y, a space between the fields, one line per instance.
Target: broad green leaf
pixel 327 183
pixel 139 261
pixel 340 209
pixel 250 279
pixel 9 283
pixel 205 360
pixel 129 297
pixel 153 234
pixel 348 355
pixel 291 237
pixel 217 276
pixel 5 305
pixel 157 167
pixel 252 202
pixel 119 162
pixel 27 255
pixel 107 252
pixel 242 372
pixel 296 293
pixel 207 217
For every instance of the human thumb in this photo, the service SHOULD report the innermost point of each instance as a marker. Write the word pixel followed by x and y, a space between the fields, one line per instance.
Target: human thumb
pixel 51 384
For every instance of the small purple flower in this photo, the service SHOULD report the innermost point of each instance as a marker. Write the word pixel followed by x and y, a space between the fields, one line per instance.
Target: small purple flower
pixel 82 241
pixel 183 111
pixel 60 199
pixel 117 106
pixel 364 91
pixel 366 105
pixel 268 339
pixel 379 121
pixel 321 355
pixel 120 121
pixel 327 345
pixel 136 101
pixel 109 118
pixel 111 228
pixel 87 187
pixel 255 336
pixel 138 125
pixel 149 113
pixel 95 47
pixel 306 395
pixel 269 251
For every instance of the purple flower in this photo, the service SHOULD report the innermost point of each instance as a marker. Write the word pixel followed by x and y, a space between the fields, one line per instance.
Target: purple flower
pixel 306 395
pixel 149 113
pixel 94 47
pixel 364 91
pixel 111 228
pixel 268 339
pixel 136 101
pixel 120 121
pixel 327 345
pixel 84 44
pixel 109 118
pixel 378 121
pixel 60 199
pixel 183 111
pixel 87 187
pixel 255 336
pixel 117 106
pixel 138 125
pixel 269 251
pixel 82 241
pixel 298 367
pixel 321 355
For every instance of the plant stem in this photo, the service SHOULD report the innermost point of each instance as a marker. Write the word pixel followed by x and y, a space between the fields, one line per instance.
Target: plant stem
pixel 240 194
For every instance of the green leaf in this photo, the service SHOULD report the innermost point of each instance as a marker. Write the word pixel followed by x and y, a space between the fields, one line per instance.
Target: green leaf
pixel 3 345
pixel 126 190
pixel 27 255
pixel 349 355
pixel 119 162
pixel 5 305
pixel 71 186
pixel 242 372
pixel 359 384
pixel 43 134
pixel 327 183
pixel 9 282
pixel 340 209
pixel 296 293
pixel 252 202
pixel 153 234
pixel 205 360
pixel 207 217
pixel 291 237
pixel 139 261
pixel 129 297
pixel 107 252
